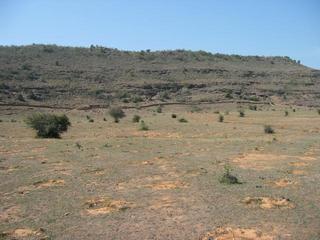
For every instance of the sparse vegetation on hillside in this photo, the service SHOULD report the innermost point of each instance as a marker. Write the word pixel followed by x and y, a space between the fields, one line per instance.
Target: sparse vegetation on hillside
pixel 56 75
pixel 241 113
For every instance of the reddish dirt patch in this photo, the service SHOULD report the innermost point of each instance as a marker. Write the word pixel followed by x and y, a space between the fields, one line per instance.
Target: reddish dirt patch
pixel 99 206
pixel 298 164
pixel 167 185
pixel 259 161
pixel 23 233
pixel 156 134
pixel 297 172
pixel 163 203
pixel 283 182
pixel 10 214
pixel 307 158
pixel 268 203
pixel 38 149
pixel 49 183
pixel 236 234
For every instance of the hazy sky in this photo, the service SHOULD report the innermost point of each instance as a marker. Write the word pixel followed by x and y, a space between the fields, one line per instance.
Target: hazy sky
pixel 247 27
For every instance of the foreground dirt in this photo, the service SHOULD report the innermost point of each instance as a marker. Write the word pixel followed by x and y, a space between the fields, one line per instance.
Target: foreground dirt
pixel 104 180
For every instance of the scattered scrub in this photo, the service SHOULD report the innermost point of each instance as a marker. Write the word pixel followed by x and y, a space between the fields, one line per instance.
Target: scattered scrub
pixel 159 109
pixel 221 118
pixel 286 113
pixel 175 115
pixel 227 177
pixel 136 118
pixel 253 107
pixel 183 120
pixel 268 129
pixel 78 145
pixel 143 126
pixel 116 113
pixel 241 113
pixel 48 125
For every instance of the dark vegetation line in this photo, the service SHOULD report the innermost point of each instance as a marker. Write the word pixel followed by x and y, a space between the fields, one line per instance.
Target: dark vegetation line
pixel 95 106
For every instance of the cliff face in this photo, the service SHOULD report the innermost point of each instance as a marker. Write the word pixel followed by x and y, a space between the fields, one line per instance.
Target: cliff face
pixel 68 76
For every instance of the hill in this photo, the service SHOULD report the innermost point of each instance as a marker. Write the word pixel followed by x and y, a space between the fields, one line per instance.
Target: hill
pixel 71 77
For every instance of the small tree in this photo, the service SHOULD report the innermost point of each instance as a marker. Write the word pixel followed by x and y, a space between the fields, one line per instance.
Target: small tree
pixel 159 109
pixel 136 118
pixel 221 118
pixel 143 126
pixel 48 125
pixel 286 113
pixel 268 129
pixel 241 113
pixel 116 113
pixel 183 120
pixel 227 177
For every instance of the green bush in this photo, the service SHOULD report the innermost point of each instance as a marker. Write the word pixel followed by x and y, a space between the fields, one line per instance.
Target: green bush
pixel 228 178
pixel 174 115
pixel 48 125
pixel 253 107
pixel 159 109
pixel 221 118
pixel 241 113
pixel 116 113
pixel 286 113
pixel 268 129
pixel 143 126
pixel 319 111
pixel 182 120
pixel 136 118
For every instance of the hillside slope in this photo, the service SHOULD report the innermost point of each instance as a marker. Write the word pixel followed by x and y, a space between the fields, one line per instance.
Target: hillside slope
pixel 69 76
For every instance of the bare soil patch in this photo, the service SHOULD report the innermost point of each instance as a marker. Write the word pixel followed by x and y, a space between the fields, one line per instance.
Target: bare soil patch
pixel 100 206
pixel 49 183
pixel 268 203
pixel 259 161
pixel 284 182
pixel 165 185
pixel 236 234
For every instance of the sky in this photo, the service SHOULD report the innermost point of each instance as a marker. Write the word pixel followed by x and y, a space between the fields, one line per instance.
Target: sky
pixel 245 27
